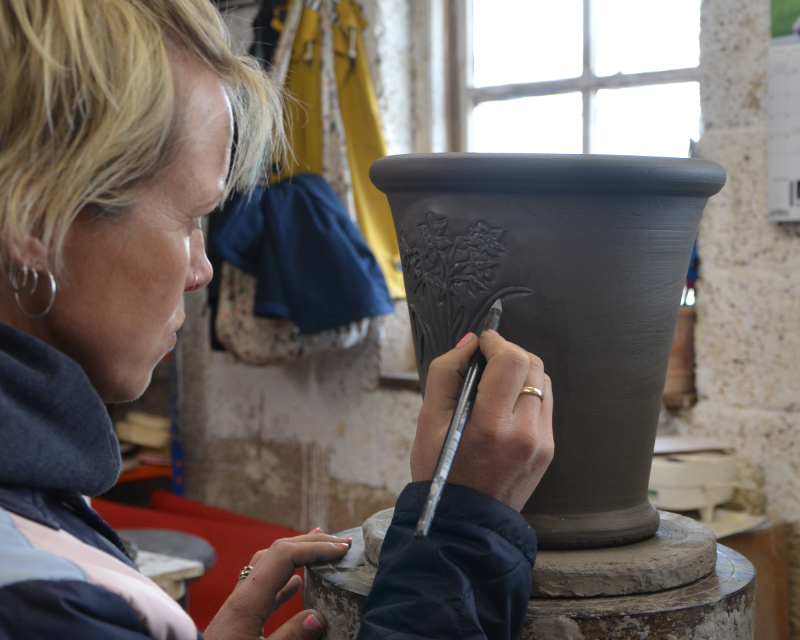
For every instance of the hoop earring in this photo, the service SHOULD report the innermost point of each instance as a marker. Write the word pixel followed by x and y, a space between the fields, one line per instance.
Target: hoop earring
pixel 19 284
pixel 18 279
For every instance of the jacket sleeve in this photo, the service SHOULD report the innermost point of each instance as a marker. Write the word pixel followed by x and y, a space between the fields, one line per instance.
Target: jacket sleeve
pixel 470 579
pixel 50 609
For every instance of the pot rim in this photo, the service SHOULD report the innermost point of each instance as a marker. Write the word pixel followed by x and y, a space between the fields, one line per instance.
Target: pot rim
pixel 547 173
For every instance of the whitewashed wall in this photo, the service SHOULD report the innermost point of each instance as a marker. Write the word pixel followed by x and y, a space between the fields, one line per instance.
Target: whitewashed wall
pixel 748 304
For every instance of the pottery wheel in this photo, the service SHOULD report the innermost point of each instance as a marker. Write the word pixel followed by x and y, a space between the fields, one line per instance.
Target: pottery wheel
pixel 681 552
pixel 719 606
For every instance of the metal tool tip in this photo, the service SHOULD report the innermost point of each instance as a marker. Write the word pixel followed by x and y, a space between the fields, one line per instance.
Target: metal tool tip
pixel 498 304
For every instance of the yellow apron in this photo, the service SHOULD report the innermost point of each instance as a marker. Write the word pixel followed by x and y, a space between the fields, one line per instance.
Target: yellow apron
pixel 361 119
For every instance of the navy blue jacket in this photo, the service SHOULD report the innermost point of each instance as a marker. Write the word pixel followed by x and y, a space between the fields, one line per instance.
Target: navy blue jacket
pixel 64 572
pixel 470 579
pixel 312 263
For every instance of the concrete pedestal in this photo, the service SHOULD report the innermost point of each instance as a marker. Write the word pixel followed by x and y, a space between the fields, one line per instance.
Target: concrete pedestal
pixel 718 605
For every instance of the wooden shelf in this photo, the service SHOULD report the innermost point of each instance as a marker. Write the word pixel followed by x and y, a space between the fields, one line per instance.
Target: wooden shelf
pixel 679 400
pixel 407 380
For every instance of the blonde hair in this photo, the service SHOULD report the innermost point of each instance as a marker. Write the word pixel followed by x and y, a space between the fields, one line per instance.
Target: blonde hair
pixel 87 107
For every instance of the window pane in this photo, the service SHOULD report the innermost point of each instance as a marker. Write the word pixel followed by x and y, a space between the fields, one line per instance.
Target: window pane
pixel 648 121
pixel 547 124
pixel 526 40
pixel 642 35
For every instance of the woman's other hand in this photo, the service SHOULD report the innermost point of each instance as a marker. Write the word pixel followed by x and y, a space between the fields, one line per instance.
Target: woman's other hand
pixel 270 584
pixel 508 442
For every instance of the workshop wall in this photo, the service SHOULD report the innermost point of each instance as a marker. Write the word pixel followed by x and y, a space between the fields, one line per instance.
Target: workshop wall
pixel 748 297
pixel 315 442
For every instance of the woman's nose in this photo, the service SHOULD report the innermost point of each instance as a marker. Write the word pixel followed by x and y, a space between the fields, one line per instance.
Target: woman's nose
pixel 200 269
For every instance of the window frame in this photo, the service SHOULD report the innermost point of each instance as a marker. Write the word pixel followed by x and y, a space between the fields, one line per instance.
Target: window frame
pixel 462 97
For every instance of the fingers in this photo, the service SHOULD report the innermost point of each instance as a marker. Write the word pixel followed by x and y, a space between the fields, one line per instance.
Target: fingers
pixel 536 377
pixel 533 417
pixel 507 368
pixel 272 582
pixel 514 429
pixel 446 375
pixel 292 587
pixel 508 442
pixel 274 567
pixel 547 445
pixel 304 626
pixel 295 582
pixel 546 415
pixel 308 537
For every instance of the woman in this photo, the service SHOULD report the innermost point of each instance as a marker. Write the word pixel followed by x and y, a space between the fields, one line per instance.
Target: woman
pixel 116 128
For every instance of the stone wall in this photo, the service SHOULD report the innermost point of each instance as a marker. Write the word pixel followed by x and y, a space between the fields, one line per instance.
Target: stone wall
pixel 748 300
pixel 311 443
pixel 315 442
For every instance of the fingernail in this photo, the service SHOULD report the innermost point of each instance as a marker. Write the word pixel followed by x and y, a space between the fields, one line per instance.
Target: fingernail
pixel 492 331
pixel 343 545
pixel 349 541
pixel 311 625
pixel 465 339
pixel 317 530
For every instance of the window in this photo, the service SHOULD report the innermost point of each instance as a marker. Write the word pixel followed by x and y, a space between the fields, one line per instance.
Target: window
pixel 574 76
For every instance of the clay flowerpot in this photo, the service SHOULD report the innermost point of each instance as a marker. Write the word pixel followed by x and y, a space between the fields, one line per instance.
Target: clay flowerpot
pixel 589 254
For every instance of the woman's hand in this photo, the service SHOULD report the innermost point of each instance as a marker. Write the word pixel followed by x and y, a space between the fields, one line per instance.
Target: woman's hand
pixel 508 442
pixel 270 584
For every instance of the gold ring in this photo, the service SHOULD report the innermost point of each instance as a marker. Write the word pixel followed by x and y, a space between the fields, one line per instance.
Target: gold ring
pixel 245 572
pixel 532 391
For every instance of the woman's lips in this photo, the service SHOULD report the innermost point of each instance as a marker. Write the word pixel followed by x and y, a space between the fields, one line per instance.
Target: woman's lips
pixel 170 341
pixel 177 326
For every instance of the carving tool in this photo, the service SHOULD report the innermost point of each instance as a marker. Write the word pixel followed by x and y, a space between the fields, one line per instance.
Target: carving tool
pixel 466 398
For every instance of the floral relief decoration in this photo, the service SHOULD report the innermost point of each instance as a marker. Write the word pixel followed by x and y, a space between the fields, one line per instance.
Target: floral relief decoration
pixel 442 273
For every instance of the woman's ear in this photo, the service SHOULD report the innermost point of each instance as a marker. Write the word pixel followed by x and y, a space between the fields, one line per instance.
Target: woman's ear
pixel 30 253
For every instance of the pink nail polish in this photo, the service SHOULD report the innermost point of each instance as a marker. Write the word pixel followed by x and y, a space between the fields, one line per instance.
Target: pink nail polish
pixel 311 625
pixel 465 339
pixel 343 545
pixel 349 541
pixel 492 331
pixel 317 530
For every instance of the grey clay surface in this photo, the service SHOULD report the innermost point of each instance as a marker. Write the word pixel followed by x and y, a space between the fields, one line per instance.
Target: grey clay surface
pixel 589 254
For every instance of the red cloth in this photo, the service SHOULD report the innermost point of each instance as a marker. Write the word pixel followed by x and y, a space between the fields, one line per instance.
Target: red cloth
pixel 235 538
pixel 165 501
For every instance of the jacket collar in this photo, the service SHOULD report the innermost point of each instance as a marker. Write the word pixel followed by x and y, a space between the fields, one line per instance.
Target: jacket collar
pixel 54 428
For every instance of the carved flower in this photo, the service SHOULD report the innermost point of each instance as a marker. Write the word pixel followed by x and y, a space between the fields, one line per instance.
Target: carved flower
pixel 475 271
pixel 483 264
pixel 479 264
pixel 411 261
pixel 484 239
pixel 432 233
